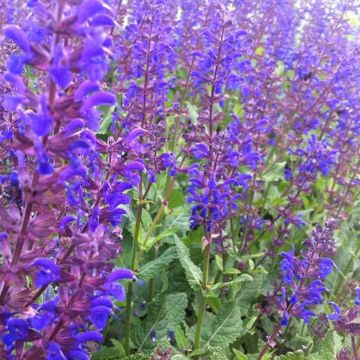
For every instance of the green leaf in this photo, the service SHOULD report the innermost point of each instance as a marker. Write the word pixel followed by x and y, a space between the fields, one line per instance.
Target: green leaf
pixel 165 314
pixel 155 239
pixel 239 279
pixel 217 353
pixel 297 355
pixel 154 267
pixel 176 199
pixel 193 112
pixel 225 328
pixel 118 346
pixel 108 353
pixel 146 219
pixel 328 348
pixel 240 355
pixel 106 121
pixel 192 271
pixel 179 357
pixel 219 262
pixel 250 290
pixel 274 172
pixel 181 339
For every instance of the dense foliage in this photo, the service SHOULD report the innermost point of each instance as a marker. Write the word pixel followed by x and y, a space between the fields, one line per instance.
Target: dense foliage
pixel 180 179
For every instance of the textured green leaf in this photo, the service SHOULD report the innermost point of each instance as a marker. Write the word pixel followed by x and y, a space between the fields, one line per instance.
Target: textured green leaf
pixel 225 328
pixel 176 199
pixel 328 348
pixel 179 357
pixel 250 290
pixel 153 268
pixel 238 280
pixel 193 272
pixel 193 112
pixel 240 355
pixel 297 355
pixel 108 353
pixel 118 346
pixel 218 353
pixel 153 240
pixel 165 314
pixel 181 339
pixel 274 172
pixel 106 120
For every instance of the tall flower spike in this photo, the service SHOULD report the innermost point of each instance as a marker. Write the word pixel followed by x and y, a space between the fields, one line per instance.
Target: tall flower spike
pixel 50 243
pixel 303 275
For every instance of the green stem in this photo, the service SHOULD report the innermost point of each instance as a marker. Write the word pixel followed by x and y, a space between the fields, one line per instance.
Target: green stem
pixel 154 253
pixel 202 306
pixel 133 266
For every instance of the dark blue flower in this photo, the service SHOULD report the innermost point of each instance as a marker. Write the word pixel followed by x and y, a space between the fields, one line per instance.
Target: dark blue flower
pixel 46 314
pixel 77 355
pixel 337 312
pixel 326 266
pixel 89 336
pixel 54 352
pixel 59 69
pixel 48 271
pixel 15 64
pixel 18 329
pixel 200 151
pixel 17 35
pixel 357 298
pixel 99 316
pixel 287 266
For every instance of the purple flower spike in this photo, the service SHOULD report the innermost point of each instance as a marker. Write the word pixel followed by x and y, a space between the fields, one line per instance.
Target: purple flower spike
pixel 304 274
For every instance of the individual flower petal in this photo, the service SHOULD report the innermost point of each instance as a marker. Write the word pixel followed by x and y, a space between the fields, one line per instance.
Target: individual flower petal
pixel 18 329
pixel 18 36
pixel 326 266
pixel 89 336
pixel 90 8
pixel 120 274
pixel 85 89
pixel 42 122
pixel 102 20
pixel 74 126
pixel 54 352
pixel 15 64
pixel 48 271
pixel 100 98
pixel 99 316
pixel 77 355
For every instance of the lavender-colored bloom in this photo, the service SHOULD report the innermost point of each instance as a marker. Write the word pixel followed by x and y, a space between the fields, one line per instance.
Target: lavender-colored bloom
pixel 54 352
pixel 18 329
pixel 51 141
pixel 48 271
pixel 304 274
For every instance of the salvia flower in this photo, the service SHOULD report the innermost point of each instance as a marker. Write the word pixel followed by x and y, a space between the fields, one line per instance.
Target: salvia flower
pixel 303 275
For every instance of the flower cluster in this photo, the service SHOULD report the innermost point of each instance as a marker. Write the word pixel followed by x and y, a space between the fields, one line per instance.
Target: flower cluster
pixel 344 321
pixel 303 275
pixel 67 188
pixel 160 127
